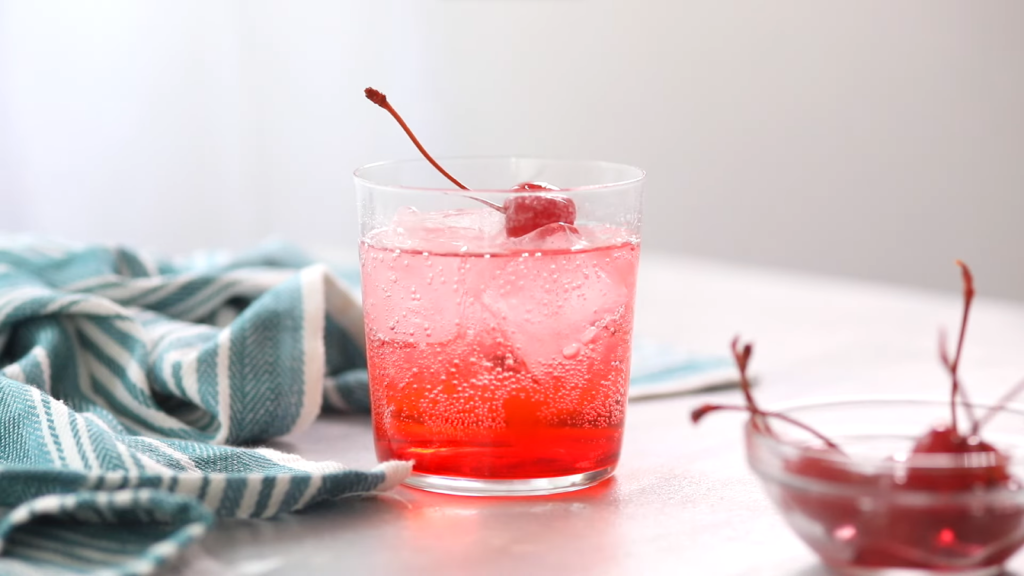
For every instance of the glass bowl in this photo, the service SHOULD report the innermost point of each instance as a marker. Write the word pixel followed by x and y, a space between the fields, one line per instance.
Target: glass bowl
pixel 875 509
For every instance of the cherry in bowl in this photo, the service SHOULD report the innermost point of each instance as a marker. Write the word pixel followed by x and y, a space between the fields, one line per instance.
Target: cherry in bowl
pixel 879 506
pixel 885 487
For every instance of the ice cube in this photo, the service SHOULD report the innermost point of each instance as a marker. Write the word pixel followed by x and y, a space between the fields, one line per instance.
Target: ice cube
pixel 553 237
pixel 448 231
pixel 549 302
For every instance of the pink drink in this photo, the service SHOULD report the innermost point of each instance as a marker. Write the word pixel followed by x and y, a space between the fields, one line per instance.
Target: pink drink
pixel 498 358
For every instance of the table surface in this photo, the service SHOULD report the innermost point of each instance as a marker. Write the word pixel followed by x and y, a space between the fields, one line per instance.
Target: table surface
pixel 682 500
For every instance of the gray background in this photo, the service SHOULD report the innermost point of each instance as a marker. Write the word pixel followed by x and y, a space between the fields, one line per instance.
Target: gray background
pixel 873 138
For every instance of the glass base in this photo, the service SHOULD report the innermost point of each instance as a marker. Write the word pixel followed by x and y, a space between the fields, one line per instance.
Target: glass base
pixel 859 571
pixel 523 487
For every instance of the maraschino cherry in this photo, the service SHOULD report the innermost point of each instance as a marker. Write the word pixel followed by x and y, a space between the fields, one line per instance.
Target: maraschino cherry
pixel 983 465
pixel 523 214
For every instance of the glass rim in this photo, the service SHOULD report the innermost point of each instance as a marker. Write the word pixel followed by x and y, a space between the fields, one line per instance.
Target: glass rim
pixel 359 178
pixel 789 450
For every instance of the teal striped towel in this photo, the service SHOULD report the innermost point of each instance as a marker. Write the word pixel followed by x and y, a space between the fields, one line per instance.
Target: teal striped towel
pixel 126 381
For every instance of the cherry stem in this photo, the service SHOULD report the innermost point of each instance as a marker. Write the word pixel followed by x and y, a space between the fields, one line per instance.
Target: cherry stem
pixel 699 413
pixel 742 357
pixel 998 407
pixel 954 365
pixel 958 389
pixel 742 353
pixel 380 99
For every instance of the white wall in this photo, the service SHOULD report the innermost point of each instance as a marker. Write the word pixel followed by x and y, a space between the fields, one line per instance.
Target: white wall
pixel 870 138
pixel 179 125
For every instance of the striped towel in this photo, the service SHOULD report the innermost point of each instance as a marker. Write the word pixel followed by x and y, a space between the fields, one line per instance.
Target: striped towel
pixel 125 381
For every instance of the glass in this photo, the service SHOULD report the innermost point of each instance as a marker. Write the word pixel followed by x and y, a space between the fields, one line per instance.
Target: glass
pixel 499 365
pixel 870 513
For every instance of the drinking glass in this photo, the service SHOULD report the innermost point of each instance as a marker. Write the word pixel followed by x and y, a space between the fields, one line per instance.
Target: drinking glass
pixel 499 364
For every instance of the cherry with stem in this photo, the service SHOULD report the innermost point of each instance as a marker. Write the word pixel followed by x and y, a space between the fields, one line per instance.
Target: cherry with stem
pixel 953 364
pixel 381 99
pixel 523 213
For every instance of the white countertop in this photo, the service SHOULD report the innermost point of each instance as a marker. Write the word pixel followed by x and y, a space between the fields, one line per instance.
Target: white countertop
pixel 682 500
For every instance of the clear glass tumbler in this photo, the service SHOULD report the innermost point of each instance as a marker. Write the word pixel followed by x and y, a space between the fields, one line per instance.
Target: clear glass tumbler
pixel 499 356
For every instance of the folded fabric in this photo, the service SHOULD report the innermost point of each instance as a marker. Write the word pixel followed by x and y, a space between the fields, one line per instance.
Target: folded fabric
pixel 126 382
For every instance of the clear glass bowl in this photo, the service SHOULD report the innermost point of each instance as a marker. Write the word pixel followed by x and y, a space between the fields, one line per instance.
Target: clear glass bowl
pixel 878 511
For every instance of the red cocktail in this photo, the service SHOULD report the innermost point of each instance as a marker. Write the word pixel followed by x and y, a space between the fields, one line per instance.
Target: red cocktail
pixel 499 363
